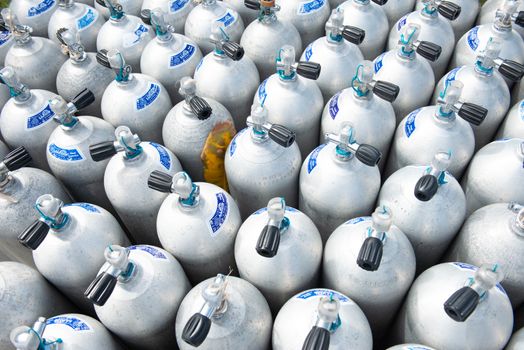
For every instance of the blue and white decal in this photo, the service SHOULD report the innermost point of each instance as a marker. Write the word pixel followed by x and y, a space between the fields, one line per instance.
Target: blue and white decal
pixel 409 128
pixel 40 118
pixel 402 22
pixel 262 94
pixel 153 91
pixel 417 347
pixel 307 7
pixel 309 52
pixel 65 154
pixel 131 39
pixel 220 215
pixel 451 76
pixel 87 19
pixel 42 7
pixel 89 207
pixel 322 293
pixel 176 5
pixel 357 220
pixel 228 19
pixel 473 39
pixel 233 144
pixel 378 62
pixel 165 159
pixel 74 323
pixel 263 210
pixel 199 64
pixel 521 110
pixel 150 250
pixel 464 266
pixel 5 36
pixel 312 162
pixel 333 106
pixel 182 57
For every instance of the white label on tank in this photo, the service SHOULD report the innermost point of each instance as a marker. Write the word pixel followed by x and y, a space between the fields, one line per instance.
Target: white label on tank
pixel 262 94
pixel 40 8
pixel 306 7
pixel 323 293
pixel 150 95
pixel 409 128
pixel 263 210
pixel 66 154
pixel 378 62
pixel 401 23
pixel 134 38
pixel 165 159
pixel 220 215
pixel 309 52
pixel 74 323
pixel 86 206
pixel 473 39
pixel 312 162
pixel 333 106
pixel 87 19
pixel 39 119
pixel 233 144
pixel 177 5
pixel 521 110
pixel 150 250
pixel 180 58
pixel 228 18
pixel 357 220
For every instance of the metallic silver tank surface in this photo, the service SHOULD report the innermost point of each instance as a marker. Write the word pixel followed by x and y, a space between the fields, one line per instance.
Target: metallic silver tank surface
pixel 77 16
pixel 495 174
pixel 495 233
pixel 429 206
pixel 34 13
pixel 262 162
pixel 397 8
pixel 456 306
pixel 197 223
pixel 373 261
pixel 354 181
pixel 466 19
pixel 137 294
pixel 410 347
pixel 513 124
pixel 6 41
pixel 246 12
pixel 70 235
pixel 489 10
pixel 228 76
pixel 279 250
pixel 131 7
pixel 4 150
pixel 5 95
pixel 177 11
pixel 443 127
pixel 516 341
pixel 200 21
pixel 224 312
pixel 137 101
pixel 170 56
pixel 321 319
pixel 337 53
pixel 518 92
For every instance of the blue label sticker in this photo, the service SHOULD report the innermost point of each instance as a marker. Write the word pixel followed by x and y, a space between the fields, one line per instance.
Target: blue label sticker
pixel 378 62
pixel 416 347
pixel 182 56
pixel 86 20
pixel 312 162
pixel 40 8
pixel 220 215
pixel 309 52
pixel 333 106
pixel 149 249
pixel 233 144
pixel 310 6
pixel 402 22
pixel 473 39
pixel 73 322
pixel 199 64
pixel 263 210
pixel 322 293
pixel 131 39
pixel 262 94
pixel 176 5
pixel 452 75
pixel 67 155
pixel 521 110
pixel 165 159
pixel 89 207
pixel 465 266
pixel 409 128
pixel 149 97
pixel 357 220
pixel 42 117
pixel 5 36
pixel 227 19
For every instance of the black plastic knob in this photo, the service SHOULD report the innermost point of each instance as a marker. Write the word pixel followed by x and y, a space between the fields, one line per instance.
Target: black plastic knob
pixel 309 70
pixel 426 187
pixel 461 304
pixel 3 27
pixel 102 151
pixel 368 155
pixel 282 135
pixel 101 3
pixel 317 339
pixel 17 158
pixel 268 241
pixel 196 330
pixel 429 50
pixel 145 15
pixel 449 10
pixel 380 2
pixel 34 235
pixel 354 35
pixel 252 4
pixel 370 254
pixel 472 113
pixel 233 50
pixel 511 70
pixel 200 108
pixel 59 33
pixel 102 59
pixel 519 20
pixel 160 181
pixel 386 90
pixel 101 288
pixel 83 99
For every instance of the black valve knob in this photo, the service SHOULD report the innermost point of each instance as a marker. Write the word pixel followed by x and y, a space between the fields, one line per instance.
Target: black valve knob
pixel 268 241
pixel 429 50
pixel 472 113
pixel 449 10
pixel 252 4
pixel 101 288
pixel 200 108
pixel 83 99
pixel 160 181
pixel 461 304
pixel 59 36
pixel 233 50
pixel 426 187
pixel 196 330
pixel 368 155
pixel 519 20
pixel 102 150
pixel 386 90
pixel 101 3
pixel 102 59
pixel 317 339
pixel 370 254
pixel 145 15
pixel 512 70
pixel 17 158
pixel 353 34
pixel 34 235
pixel 282 135
pixel 380 2
pixel 309 70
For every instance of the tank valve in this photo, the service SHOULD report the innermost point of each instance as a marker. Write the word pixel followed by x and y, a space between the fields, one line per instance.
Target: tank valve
pixel 488 59
pixel 27 338
pixel 158 19
pixel 65 112
pixel 363 82
pixel 21 33
pixel 70 44
pixel 446 9
pixel 370 254
pixel 14 160
pixel 180 184
pixel 287 68
pixel 336 30
pixel 126 142
pixel 16 89
pixel 116 10
pixel 328 320
pixel 269 239
pixel 508 14
pixel 223 46
pixel 408 44
pixel 266 8
pixel 347 146
pixel 427 185
pixel 449 104
pixel 113 59
pixel 262 129
pixel 194 104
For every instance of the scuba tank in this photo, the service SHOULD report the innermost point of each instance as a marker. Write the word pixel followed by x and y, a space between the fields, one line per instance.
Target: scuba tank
pixel 466 19
pixel 26 119
pixel 495 233
pixel 366 105
pixel 262 162
pixel 131 7
pixel 288 252
pixel 410 347
pixel 6 40
pixel 70 235
pixel 25 296
pixel 34 13
pixel 516 341
pixel 227 76
pixel 293 99
pixel 421 197
pixel 64 332
pixel 223 312
pixel 307 16
pixel 170 56
pixel 135 100
pixel 457 306
pixel 351 168
pixel 198 130
pixel 321 319
pixel 495 175
pixel 197 223
pixel 432 129
pixel 337 53
pixel 137 293
pixel 263 38
pixel 68 149
pixel 5 95
pixel 245 10
pixel 81 72
pixel 518 92
pixel 35 60
pixel 365 255
pixel 513 124
pixel 485 87
pixel 200 21
pixel 176 11
pixel 125 33
pixel 80 17
pixel 125 180
pixel 434 27
pixel 4 150
pixel 408 68
pixel 489 10
pixel 395 9
pixel 371 18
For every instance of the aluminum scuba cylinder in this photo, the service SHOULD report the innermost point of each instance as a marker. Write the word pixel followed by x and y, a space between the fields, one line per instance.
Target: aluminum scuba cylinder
pixel 131 7
pixel 176 10
pixel 420 197
pixel 466 19
pixel 457 306
pixel 292 98
pixel 516 341
pixel 135 100
pixel 170 56
pixel 125 180
pixel 4 150
pixel 337 53
pixel 199 23
pixel 197 223
pixel 6 40
pixel 244 10
pixel 34 13
pixel 442 127
pixel 263 38
pixel 494 175
pixel 410 347
pixel 125 33
pixel 5 95
pixel 411 73
pixel 513 124
pixel 262 162
pixel 137 293
pixel 80 17
pixel 198 130
pixel 489 10
pixel 81 72
pixel 321 319
pixel 353 174
pixel 289 252
pixel 395 9
pixel 221 313
pixel 335 3
pixel 228 76
pixel 518 92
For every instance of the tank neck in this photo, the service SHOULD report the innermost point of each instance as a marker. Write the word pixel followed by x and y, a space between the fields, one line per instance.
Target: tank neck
pixel 517 224
pixel 259 134
pixel 267 14
pixel 361 2
pixel 444 114
pixel 66 4
pixel 429 11
pixel 483 70
pixel 207 3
